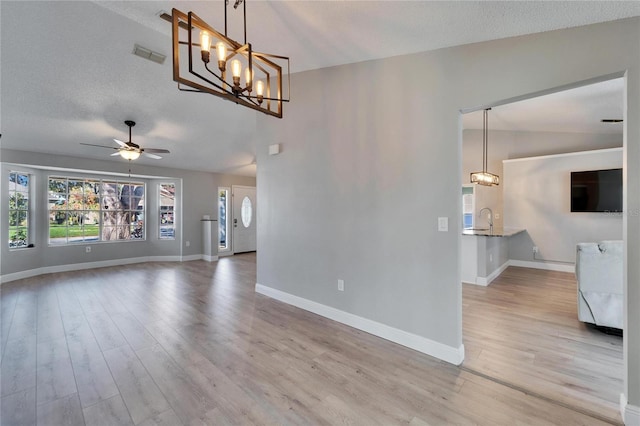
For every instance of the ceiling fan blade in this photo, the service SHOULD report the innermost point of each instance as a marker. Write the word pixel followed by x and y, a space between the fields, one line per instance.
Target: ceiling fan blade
pixel 99 146
pixel 155 157
pixel 115 154
pixel 157 150
pixel 122 144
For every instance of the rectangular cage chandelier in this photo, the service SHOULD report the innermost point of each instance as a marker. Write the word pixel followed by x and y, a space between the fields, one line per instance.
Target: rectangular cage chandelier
pixel 485 177
pixel 208 61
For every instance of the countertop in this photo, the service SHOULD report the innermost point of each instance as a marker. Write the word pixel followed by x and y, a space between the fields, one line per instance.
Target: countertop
pixel 497 232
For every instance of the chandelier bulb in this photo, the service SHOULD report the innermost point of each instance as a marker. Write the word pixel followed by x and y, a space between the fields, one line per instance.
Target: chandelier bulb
pixel 236 68
pixel 248 78
pixel 260 90
pixel 236 71
pixel 205 46
pixel 221 51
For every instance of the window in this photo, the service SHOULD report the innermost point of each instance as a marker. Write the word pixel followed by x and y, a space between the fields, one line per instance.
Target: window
pixel 223 228
pixel 19 209
pixel 246 212
pixel 83 210
pixel 467 207
pixel 167 211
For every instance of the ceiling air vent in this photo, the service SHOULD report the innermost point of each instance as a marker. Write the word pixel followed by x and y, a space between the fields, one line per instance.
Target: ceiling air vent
pixel 149 54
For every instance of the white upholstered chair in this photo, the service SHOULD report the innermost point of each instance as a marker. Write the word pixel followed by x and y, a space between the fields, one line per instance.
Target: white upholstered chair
pixel 599 274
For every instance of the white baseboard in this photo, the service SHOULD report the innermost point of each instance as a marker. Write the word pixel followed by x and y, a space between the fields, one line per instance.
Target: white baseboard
pixel 191 257
pixel 421 344
pixel 90 265
pixel 485 281
pixel 630 413
pixel 543 265
pixel 209 258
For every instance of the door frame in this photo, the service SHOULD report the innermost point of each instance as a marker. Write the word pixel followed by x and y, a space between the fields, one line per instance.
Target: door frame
pixel 232 247
pixel 625 166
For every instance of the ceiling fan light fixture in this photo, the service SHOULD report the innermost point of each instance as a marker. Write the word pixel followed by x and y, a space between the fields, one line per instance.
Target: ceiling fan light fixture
pixel 129 154
pixel 132 151
pixel 193 40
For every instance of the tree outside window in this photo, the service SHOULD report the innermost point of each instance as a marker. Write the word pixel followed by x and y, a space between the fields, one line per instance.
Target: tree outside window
pixel 83 210
pixel 18 209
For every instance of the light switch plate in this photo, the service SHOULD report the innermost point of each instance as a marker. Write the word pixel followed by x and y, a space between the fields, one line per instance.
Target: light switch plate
pixel 443 224
pixel 274 149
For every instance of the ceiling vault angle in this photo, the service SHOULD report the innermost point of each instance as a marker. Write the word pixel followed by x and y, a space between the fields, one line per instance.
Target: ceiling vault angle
pixel 260 88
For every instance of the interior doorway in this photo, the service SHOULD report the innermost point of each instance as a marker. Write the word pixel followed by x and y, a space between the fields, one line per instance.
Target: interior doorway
pixel 522 330
pixel 245 209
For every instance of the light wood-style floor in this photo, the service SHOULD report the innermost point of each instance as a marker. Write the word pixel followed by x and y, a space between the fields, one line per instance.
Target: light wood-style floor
pixel 523 330
pixel 192 343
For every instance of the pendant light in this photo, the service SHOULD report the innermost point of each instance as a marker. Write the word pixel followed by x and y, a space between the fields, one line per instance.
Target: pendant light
pixel 264 84
pixel 484 177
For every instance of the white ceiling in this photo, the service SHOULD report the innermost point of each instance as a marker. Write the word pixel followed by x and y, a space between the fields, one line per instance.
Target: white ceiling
pixel 578 110
pixel 68 75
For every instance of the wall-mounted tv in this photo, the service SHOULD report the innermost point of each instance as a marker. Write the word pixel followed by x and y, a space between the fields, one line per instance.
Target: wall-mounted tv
pixel 596 191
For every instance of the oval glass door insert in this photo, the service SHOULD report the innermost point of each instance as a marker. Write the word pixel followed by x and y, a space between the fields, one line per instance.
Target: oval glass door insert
pixel 246 212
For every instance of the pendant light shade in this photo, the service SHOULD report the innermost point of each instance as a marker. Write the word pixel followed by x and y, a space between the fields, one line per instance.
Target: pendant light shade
pixel 484 177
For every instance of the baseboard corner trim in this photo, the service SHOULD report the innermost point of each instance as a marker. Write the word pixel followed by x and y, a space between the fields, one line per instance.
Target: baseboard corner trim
pixel 190 257
pixel 485 281
pixel 630 413
pixel 208 258
pixel 421 344
pixel 542 265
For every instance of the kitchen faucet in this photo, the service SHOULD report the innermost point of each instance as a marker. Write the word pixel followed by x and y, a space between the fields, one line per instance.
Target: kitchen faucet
pixel 489 216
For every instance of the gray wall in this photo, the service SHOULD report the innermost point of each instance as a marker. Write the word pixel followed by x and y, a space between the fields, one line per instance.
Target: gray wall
pixel 493 255
pixel 199 197
pixel 537 197
pixel 372 156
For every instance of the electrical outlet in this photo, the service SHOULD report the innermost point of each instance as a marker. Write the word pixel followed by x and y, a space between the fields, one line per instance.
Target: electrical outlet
pixel 187 243
pixel 87 249
pixel 443 224
pixel 341 285
pixel 535 249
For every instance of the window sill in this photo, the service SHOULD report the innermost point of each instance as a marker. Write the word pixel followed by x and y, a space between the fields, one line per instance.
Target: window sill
pixel 30 246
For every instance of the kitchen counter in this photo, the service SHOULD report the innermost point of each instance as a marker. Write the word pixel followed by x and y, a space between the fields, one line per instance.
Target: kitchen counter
pixel 497 232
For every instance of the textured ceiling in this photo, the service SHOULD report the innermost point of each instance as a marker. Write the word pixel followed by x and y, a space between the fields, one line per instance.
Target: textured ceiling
pixel 68 75
pixel 578 110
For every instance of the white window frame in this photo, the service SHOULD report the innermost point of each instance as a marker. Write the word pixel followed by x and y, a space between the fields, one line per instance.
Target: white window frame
pixel 30 208
pixel 105 178
pixel 227 248
pixel 160 211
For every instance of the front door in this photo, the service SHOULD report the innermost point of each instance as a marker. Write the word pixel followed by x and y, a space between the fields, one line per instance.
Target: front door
pixel 244 218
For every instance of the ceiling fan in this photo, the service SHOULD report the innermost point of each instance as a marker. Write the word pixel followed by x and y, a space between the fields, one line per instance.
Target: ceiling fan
pixel 131 151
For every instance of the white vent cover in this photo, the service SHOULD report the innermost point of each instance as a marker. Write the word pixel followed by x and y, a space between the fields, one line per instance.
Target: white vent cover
pixel 145 53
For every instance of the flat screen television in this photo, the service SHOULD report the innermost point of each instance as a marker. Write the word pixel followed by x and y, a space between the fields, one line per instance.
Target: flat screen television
pixel 596 191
